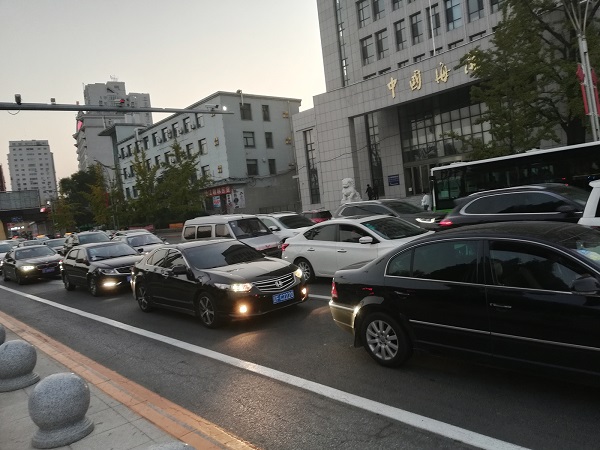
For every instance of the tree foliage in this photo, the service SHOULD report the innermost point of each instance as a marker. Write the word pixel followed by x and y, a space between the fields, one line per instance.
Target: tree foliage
pixel 76 191
pixel 527 77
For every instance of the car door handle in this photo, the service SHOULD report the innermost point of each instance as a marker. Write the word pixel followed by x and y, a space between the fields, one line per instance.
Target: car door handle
pixel 402 294
pixel 342 250
pixel 496 305
pixel 310 249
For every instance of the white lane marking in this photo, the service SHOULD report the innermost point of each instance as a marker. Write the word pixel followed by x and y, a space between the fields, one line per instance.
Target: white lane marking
pixel 322 297
pixel 400 415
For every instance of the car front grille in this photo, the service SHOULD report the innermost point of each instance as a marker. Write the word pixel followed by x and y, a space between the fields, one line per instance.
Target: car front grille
pixel 276 284
pixel 47 265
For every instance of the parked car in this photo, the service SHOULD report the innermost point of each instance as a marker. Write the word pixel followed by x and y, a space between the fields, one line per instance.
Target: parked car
pixel 425 219
pixel 317 215
pixel 546 201
pixel 55 244
pixel 216 280
pixel 100 266
pixel 285 224
pixel 126 232
pixel 84 237
pixel 337 243
pixel 246 228
pixel 5 247
pixel 27 263
pixel 591 212
pixel 523 292
pixel 29 243
pixel 141 242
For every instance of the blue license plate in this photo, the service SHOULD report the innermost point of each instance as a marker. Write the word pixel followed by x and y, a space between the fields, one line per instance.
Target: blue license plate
pixel 283 297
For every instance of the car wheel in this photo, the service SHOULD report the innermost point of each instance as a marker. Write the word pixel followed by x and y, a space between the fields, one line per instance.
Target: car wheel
pixel 67 282
pixel 307 271
pixel 93 287
pixel 206 311
pixel 385 340
pixel 142 297
pixel 5 275
pixel 18 278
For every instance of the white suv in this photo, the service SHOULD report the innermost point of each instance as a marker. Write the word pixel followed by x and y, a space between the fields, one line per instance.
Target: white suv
pixel 286 224
pixel 591 213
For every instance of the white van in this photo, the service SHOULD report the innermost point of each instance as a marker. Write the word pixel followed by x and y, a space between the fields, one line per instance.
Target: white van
pixel 591 213
pixel 246 228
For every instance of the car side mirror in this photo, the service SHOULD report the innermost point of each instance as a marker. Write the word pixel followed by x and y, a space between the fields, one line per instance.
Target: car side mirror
pixel 567 210
pixel 82 261
pixel 586 285
pixel 179 269
pixel 140 250
pixel 274 228
pixel 365 240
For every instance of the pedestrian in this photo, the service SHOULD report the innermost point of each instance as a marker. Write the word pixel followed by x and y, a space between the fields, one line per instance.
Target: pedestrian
pixel 369 192
pixel 375 192
pixel 426 201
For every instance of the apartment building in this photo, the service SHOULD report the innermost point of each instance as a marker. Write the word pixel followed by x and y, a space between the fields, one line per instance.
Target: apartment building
pixel 31 167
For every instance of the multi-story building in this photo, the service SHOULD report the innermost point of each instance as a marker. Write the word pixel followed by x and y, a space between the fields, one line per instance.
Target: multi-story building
pixel 31 167
pixel 394 88
pixel 248 152
pixel 93 147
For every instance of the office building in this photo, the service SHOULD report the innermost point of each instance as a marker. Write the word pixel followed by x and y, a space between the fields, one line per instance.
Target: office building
pixel 31 167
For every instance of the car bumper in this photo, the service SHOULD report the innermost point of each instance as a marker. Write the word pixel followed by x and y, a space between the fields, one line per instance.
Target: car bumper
pixel 258 305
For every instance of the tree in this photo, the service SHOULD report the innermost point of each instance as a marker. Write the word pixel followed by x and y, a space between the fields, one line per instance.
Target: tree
pixel 76 191
pixel 98 199
pixel 62 214
pixel 144 206
pixel 527 78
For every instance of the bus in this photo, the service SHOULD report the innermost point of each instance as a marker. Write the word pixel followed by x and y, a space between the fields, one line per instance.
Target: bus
pixel 575 165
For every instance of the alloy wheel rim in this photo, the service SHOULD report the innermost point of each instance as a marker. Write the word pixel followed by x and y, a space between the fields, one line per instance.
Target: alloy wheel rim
pixel 207 313
pixel 382 340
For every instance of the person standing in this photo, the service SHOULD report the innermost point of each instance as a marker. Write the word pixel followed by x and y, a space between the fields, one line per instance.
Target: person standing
pixel 426 201
pixel 369 192
pixel 375 192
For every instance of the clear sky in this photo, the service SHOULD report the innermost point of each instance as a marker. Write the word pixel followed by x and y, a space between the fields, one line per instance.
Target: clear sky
pixel 178 51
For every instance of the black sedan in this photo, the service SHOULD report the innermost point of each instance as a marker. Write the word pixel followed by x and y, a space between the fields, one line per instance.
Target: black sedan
pixel 101 267
pixel 216 280
pixel 28 263
pixel 519 292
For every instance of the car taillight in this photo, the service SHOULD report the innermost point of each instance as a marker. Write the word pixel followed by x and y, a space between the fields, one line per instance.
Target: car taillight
pixel 333 291
pixel 445 223
pixel 284 246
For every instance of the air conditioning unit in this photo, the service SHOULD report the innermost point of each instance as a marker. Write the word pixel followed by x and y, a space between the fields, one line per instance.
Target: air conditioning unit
pixel 285 115
pixel 288 140
pixel 193 126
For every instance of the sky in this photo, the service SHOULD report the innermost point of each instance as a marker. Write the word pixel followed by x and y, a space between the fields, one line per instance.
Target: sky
pixel 178 51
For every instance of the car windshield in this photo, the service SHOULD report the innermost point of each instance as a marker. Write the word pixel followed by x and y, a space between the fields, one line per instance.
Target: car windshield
pixel 246 228
pixel 393 228
pixel 295 221
pixel 110 251
pixel 55 242
pixel 95 237
pixel 404 208
pixel 5 248
pixel 144 239
pixel 34 252
pixel 221 254
pixel 579 196
pixel 29 243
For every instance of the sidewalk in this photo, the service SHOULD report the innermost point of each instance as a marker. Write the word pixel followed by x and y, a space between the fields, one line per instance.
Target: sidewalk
pixel 126 416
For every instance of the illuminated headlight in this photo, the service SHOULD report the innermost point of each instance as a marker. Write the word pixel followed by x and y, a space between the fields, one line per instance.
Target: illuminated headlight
pixel 27 268
pixel 422 220
pixel 108 271
pixel 236 287
pixel 298 273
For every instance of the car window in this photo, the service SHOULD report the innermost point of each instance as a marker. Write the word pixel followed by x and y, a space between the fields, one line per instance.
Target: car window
pixel 5 248
pixel 222 231
pixel 404 208
pixel 447 261
pixel 399 265
pixel 203 231
pixel 519 264
pixel 221 254
pixel 110 251
pixel 34 252
pixel 189 232
pixel 73 254
pixel 373 209
pixel 157 258
pixel 323 233
pixel 269 222
pixel 295 221
pixel 96 237
pixel 144 239
pixel 245 228
pixel 174 258
pixel 349 211
pixel 350 233
pixel 393 228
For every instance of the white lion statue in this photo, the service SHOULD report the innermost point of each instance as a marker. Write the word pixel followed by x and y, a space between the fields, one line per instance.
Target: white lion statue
pixel 349 192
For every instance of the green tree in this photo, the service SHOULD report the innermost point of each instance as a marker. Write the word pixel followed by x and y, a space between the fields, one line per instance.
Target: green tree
pixel 62 214
pixel 144 207
pixel 97 198
pixel 527 78
pixel 76 191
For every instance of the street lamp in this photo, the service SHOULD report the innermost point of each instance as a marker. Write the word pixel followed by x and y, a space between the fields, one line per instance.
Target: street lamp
pixel 578 18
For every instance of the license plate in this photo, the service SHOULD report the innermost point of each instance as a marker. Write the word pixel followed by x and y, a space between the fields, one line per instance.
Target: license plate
pixel 49 270
pixel 284 296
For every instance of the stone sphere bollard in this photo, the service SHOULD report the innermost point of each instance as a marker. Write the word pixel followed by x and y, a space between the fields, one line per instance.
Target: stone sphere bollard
pixel 17 360
pixel 171 446
pixel 57 406
pixel 2 334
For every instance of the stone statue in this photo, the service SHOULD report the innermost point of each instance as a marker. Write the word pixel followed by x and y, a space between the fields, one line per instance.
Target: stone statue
pixel 349 192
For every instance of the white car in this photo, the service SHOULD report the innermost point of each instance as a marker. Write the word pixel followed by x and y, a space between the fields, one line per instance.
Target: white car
pixel 338 243
pixel 591 213
pixel 286 224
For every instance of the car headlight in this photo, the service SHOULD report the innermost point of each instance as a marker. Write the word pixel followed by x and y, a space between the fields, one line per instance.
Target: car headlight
pixel 108 271
pixel 298 273
pixel 425 220
pixel 236 287
pixel 27 268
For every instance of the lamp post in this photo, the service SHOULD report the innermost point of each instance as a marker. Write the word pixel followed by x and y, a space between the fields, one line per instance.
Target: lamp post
pixel 578 18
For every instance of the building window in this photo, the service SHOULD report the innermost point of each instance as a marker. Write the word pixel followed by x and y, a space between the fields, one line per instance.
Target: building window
pixel 148 164
pixel 311 166
pixel 416 27
pixel 129 150
pixel 433 20
pixel 131 171
pixel 157 160
pixel 454 44
pixel 266 113
pixel 167 158
pixel 495 5
pixel 186 124
pixel 272 167
pixel 252 167
pixel 189 149
pixel 400 32
pixel 396 4
pixel 367 50
pixel 249 139
pixel 269 139
pixel 245 111
pixel 127 193
pixel 419 58
pixel 199 120
pixel 475 9
pixel 382 44
pixel 378 9
pixel 154 139
pixel 363 12
pixel 203 147
pixel 205 171
pixel 402 64
pixel 175 129
pixel 453 14
pixel 125 173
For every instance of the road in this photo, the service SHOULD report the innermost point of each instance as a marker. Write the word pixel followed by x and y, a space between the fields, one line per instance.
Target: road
pixel 292 380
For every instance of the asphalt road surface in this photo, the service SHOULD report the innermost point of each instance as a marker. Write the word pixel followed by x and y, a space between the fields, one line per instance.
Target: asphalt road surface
pixel 292 380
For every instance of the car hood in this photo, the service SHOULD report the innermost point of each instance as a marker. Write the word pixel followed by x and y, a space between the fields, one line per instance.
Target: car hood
pixel 260 269
pixel 121 261
pixel 40 259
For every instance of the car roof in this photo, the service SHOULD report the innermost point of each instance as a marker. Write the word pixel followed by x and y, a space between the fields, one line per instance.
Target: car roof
pixel 527 187
pixel 279 214
pixel 199 243
pixel 358 219
pixel 100 244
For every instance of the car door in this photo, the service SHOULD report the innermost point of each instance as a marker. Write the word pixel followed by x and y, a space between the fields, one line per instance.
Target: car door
pixel 350 250
pixel 321 249
pixel 153 278
pixel 438 288
pixel 70 269
pixel 81 266
pixel 176 289
pixel 534 314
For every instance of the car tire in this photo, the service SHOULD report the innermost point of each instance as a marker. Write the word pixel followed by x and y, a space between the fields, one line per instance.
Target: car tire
pixel 5 276
pixel 93 287
pixel 142 297
pixel 206 310
pixel 385 340
pixel 19 279
pixel 67 282
pixel 307 271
